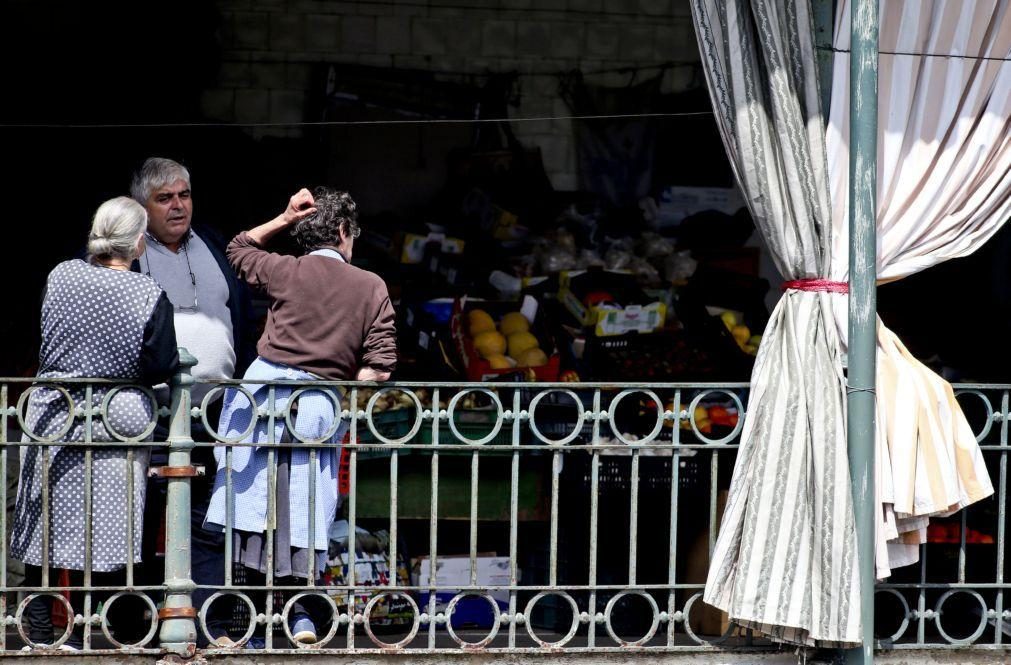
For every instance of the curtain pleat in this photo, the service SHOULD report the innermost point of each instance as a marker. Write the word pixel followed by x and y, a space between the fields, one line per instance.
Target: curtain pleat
pixel 785 558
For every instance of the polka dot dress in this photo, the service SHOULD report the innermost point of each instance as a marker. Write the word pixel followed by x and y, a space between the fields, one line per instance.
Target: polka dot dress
pixel 93 321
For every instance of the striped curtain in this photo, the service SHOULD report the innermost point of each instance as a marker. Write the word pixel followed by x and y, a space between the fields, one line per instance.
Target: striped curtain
pixel 944 188
pixel 785 560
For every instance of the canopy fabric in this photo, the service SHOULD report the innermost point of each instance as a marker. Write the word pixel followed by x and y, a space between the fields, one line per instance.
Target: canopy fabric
pixel 943 188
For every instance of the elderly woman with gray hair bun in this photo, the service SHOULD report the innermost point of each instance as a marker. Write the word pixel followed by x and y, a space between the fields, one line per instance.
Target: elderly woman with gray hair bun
pixel 327 320
pixel 99 320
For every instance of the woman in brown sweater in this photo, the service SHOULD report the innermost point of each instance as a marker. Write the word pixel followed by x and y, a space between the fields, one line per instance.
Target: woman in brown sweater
pixel 327 320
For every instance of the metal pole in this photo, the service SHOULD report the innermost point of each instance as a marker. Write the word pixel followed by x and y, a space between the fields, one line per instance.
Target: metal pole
pixel 863 299
pixel 178 633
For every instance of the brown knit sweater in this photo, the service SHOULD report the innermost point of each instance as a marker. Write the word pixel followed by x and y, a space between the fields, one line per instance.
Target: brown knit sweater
pixel 326 316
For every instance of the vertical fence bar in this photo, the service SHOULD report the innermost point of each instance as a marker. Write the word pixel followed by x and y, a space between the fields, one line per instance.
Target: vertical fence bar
pixel 89 470
pixel 268 610
pixel 921 601
pixel 229 513
pixel 1001 516
pixel 961 547
pixel 3 516
pixel 514 500
pixel 310 565
pixel 352 578
pixel 556 468
pixel 178 632
pixel 675 482
pixel 474 479
pixel 591 609
pixel 394 508
pixel 130 486
pixel 862 302
pixel 633 517
pixel 433 523
pixel 714 471
pixel 45 514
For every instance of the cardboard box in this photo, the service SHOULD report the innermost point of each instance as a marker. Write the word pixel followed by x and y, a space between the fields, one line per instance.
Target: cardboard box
pixel 476 367
pixel 452 572
pixel 412 246
pixel 629 309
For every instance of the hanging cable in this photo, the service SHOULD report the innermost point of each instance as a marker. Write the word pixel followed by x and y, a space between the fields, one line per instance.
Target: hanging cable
pixel 960 56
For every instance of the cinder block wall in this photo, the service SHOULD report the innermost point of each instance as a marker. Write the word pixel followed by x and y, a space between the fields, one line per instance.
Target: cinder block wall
pixel 270 47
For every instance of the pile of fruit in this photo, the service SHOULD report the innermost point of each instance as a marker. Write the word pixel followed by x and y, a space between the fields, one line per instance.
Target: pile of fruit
pixel 741 333
pixel 706 417
pixel 507 344
pixel 393 400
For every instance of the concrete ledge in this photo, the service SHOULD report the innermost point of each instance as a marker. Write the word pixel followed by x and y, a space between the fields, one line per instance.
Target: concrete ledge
pixel 906 657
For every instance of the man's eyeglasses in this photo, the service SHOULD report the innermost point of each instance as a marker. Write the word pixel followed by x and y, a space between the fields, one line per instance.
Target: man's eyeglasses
pixel 195 307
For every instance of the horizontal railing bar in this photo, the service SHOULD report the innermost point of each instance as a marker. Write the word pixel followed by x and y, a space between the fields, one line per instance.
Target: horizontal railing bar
pixel 369 447
pixel 944 585
pixel 458 651
pixel 463 588
pixel 406 384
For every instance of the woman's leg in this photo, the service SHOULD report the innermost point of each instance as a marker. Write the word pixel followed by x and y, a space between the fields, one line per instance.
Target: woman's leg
pixel 38 614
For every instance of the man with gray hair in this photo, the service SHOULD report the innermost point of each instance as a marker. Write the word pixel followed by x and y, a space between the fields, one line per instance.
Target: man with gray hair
pixel 211 315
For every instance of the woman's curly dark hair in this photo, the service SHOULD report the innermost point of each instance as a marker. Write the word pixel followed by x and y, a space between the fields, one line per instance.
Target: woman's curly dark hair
pixel 334 211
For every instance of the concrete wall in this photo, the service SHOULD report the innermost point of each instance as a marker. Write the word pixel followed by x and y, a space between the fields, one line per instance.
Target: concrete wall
pixel 271 46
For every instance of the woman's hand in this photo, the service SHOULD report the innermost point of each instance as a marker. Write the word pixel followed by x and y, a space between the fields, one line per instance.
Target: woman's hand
pixel 300 206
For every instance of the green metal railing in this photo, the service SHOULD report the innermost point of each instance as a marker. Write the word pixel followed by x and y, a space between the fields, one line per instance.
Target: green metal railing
pixel 602 501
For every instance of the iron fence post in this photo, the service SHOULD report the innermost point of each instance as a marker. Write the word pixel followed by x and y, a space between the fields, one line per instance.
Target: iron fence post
pixel 178 631
pixel 862 301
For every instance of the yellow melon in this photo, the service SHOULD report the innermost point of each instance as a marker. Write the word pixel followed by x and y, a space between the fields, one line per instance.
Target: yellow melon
pixel 499 362
pixel 490 343
pixel 533 357
pixel 520 342
pixel 741 334
pixel 479 321
pixel 513 322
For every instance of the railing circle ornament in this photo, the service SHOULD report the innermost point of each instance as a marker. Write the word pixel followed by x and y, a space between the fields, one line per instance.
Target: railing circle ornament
pixel 334 426
pixel 252 616
pixel 140 644
pixel 107 421
pixel 740 416
pixel 580 411
pixel 498 416
pixel 415 620
pixel 55 436
pixel 989 412
pixel 418 418
pixel 905 616
pixel 24 605
pixel 691 633
pixel 938 613
pixel 612 410
pixel 572 629
pixel 212 431
pixel 334 624
pixel 652 627
pixel 496 620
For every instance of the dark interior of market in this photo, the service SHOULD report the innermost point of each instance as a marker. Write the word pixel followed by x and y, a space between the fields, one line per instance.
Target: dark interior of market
pixel 639 214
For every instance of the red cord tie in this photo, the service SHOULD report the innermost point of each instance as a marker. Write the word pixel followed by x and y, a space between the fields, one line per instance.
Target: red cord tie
pixel 817 285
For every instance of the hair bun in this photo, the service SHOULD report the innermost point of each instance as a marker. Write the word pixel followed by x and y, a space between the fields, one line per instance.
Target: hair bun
pixel 99 246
